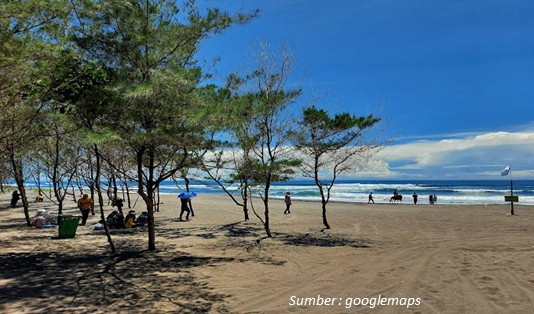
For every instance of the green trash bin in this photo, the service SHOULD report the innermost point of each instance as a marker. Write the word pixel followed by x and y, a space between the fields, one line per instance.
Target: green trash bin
pixel 67 226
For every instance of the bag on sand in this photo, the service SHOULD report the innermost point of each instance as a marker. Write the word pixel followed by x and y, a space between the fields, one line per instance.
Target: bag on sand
pixel 99 226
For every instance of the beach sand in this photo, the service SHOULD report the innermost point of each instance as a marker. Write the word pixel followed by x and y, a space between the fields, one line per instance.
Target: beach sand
pixel 446 258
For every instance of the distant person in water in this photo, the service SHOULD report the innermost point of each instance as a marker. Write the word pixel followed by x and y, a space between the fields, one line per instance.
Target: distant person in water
pixel 371 200
pixel 287 200
pixel 414 198
pixel 434 199
pixel 430 199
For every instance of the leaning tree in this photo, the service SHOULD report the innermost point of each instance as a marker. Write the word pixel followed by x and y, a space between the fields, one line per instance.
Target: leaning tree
pixel 331 146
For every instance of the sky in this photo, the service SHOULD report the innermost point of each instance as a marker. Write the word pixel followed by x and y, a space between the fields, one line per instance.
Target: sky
pixel 453 80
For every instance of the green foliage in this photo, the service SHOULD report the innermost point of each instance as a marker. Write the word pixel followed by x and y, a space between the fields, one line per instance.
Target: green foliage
pixel 139 36
pixel 323 133
pixel 331 145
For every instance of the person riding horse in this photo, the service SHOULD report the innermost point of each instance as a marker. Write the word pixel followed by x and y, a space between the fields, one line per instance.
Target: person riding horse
pixel 396 197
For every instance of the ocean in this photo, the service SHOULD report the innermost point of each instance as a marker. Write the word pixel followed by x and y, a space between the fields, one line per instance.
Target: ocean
pixel 464 192
pixel 457 192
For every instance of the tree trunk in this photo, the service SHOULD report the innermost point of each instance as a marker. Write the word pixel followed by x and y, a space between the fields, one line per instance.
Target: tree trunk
pixel 74 194
pixel 245 203
pixel 114 182
pixel 325 221
pixel 20 184
pixel 92 188
pixel 55 179
pixel 157 200
pixel 147 197
pixel 128 195
pixel 101 199
pixel 266 214
pixel 321 192
pixel 19 179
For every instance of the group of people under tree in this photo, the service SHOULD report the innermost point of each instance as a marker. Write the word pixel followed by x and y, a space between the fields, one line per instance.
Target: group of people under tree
pixel 117 220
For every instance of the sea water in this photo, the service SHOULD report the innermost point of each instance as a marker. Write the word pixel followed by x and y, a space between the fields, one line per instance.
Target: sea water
pixel 460 192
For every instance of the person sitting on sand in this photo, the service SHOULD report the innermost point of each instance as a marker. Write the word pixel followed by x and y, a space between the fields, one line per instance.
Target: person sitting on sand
pixel 43 219
pixel 129 221
pixel 39 198
pixel 142 220
pixel 115 220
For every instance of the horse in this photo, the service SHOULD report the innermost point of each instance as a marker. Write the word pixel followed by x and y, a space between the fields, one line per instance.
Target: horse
pixel 396 198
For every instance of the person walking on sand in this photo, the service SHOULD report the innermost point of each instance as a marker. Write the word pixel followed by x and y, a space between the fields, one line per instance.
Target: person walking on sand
pixel 371 200
pixel 287 200
pixel 414 198
pixel 86 205
pixel 117 201
pixel 15 198
pixel 185 208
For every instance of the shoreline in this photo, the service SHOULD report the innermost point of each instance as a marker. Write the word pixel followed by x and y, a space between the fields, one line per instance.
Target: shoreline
pixel 454 192
pixel 409 202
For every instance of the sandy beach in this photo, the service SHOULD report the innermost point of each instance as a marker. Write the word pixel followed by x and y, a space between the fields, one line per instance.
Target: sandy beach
pixel 377 258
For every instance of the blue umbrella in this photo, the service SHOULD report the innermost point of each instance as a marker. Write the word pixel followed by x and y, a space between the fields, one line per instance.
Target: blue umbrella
pixel 187 195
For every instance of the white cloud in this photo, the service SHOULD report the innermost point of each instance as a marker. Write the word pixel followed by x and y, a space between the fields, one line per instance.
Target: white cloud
pixel 474 155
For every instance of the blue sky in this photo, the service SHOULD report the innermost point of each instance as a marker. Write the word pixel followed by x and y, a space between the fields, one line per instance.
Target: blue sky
pixel 453 79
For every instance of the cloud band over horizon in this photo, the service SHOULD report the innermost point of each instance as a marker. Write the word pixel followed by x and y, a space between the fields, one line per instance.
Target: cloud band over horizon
pixel 479 156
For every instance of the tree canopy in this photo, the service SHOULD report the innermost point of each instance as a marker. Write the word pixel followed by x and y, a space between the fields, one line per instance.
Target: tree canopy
pixel 98 90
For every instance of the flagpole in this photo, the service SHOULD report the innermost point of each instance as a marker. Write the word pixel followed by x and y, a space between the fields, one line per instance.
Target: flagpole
pixel 511 194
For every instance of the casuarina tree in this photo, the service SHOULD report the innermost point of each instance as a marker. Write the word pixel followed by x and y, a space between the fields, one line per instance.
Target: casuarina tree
pixel 331 146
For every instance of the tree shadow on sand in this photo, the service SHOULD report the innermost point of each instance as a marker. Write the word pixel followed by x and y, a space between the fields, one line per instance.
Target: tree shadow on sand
pixel 145 282
pixel 321 239
pixel 236 233
pixel 233 230
pixel 14 224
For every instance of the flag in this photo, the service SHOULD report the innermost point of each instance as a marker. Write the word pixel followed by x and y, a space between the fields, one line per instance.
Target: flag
pixel 505 171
